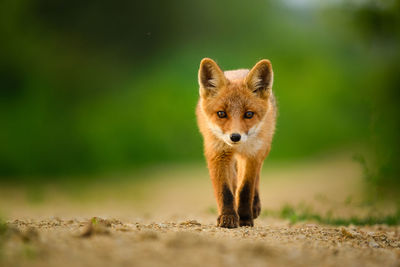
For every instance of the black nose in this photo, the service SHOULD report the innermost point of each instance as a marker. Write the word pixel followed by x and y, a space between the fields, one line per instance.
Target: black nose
pixel 235 137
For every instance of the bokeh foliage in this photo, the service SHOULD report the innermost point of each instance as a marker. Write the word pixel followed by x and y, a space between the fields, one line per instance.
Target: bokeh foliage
pixel 92 86
pixel 379 29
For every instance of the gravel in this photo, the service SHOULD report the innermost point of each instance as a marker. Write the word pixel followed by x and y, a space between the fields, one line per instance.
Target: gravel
pixel 111 242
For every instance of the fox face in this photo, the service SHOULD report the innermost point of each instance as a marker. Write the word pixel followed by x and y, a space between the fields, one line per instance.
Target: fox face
pixel 235 102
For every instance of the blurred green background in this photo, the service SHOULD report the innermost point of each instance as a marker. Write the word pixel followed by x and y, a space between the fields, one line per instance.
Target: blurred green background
pixel 90 87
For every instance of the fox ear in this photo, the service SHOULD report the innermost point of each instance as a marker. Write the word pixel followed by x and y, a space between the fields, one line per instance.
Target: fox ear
pixel 211 77
pixel 260 78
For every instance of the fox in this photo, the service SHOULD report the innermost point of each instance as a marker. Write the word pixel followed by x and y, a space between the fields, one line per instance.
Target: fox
pixel 236 115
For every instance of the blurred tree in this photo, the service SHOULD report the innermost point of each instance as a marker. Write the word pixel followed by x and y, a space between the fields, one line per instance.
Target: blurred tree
pixel 379 24
pixel 90 86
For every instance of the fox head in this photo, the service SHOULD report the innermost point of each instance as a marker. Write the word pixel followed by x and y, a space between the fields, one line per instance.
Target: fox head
pixel 235 102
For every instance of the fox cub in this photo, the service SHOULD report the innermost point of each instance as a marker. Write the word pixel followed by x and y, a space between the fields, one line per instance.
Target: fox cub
pixel 236 114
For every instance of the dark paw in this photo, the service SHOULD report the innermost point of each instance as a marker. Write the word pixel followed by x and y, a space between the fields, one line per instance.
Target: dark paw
pixel 246 222
pixel 228 221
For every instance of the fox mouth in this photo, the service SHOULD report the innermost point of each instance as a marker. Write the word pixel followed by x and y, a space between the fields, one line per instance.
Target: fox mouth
pixel 230 143
pixel 234 143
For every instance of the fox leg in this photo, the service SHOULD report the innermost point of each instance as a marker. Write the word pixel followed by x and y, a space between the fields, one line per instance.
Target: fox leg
pixel 248 172
pixel 221 173
pixel 256 199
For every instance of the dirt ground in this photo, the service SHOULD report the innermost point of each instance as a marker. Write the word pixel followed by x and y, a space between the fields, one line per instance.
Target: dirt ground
pixel 168 219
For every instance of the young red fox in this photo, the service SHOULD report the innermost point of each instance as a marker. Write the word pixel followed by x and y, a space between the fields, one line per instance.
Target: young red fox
pixel 236 115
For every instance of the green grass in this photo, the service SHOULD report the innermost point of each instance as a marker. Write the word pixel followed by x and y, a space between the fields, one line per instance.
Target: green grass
pixel 3 231
pixel 294 215
pixel 212 210
pixel 3 228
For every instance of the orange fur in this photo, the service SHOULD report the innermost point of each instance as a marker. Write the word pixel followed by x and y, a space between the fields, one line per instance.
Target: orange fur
pixel 235 166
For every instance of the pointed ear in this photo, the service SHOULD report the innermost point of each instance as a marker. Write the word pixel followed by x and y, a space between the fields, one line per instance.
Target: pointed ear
pixel 211 77
pixel 260 78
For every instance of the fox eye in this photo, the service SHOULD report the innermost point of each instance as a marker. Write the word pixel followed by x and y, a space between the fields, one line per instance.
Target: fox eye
pixel 249 114
pixel 221 114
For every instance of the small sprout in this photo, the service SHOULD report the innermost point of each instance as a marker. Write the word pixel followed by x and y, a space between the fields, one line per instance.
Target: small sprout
pixel 96 226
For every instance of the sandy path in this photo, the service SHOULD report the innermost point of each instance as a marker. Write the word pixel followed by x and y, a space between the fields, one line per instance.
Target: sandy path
pixel 56 242
pixel 167 220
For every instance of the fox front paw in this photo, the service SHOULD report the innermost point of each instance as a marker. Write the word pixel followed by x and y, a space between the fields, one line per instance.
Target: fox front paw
pixel 228 221
pixel 246 222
